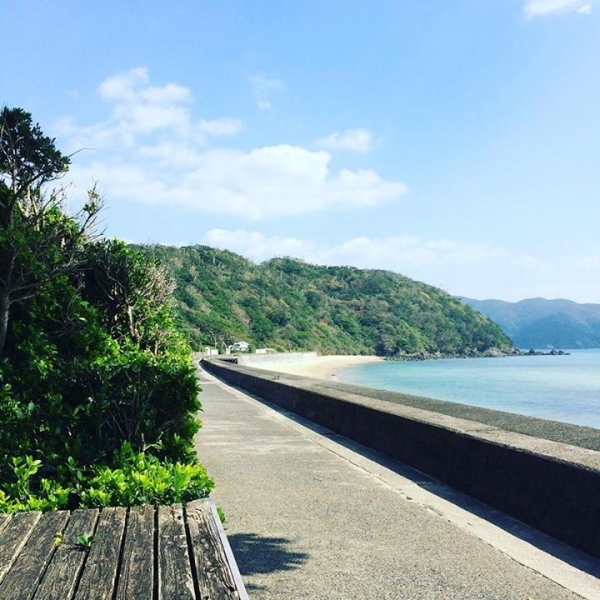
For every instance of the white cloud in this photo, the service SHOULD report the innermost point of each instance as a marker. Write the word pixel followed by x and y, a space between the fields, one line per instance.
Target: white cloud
pixel 132 86
pixel 221 126
pixel 396 253
pixel 263 87
pixel 151 150
pixel 120 86
pixel 173 154
pixel 590 263
pixel 260 184
pixel 475 270
pixel 138 111
pixel 353 140
pixel 541 8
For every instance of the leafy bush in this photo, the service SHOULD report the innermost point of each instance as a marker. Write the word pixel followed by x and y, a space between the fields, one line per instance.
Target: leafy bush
pixel 92 369
pixel 71 389
pixel 133 478
pixel 141 478
pixel 19 494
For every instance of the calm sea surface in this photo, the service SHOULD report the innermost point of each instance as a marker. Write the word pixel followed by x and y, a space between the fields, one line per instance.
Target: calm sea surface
pixel 561 388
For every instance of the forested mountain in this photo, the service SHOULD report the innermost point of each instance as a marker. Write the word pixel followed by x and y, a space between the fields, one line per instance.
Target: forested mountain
pixel 540 323
pixel 287 304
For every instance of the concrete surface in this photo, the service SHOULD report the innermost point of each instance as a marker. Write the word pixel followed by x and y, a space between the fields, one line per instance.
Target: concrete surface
pixel 549 485
pixel 313 515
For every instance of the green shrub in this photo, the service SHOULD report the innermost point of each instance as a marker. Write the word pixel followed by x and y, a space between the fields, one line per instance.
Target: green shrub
pixel 133 478
pixel 96 383
pixel 27 492
pixel 141 478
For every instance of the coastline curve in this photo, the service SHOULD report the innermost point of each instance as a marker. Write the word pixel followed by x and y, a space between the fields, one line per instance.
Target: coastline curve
pixel 551 485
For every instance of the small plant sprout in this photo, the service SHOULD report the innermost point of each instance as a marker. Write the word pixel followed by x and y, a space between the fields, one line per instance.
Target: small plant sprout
pixel 86 540
pixel 58 538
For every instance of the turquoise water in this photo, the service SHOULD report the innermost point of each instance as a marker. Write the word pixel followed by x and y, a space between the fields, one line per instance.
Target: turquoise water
pixel 561 388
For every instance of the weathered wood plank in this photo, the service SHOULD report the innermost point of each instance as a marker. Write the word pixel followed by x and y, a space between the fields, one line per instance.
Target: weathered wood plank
pixel 100 571
pixel 4 519
pixel 175 580
pixel 60 578
pixel 13 537
pixel 24 576
pixel 136 579
pixel 216 569
pixel 122 554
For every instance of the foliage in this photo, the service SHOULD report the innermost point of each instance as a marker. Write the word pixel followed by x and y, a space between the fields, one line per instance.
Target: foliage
pixel 287 304
pixel 92 369
pixel 131 292
pixel 133 478
pixel 73 389
pixel 85 540
pixel 27 156
pixel 142 478
pixel 38 241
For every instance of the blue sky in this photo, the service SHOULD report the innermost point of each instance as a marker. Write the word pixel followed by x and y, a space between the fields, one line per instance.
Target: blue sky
pixel 457 143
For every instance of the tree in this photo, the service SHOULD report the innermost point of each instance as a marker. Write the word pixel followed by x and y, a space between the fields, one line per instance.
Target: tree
pixel 38 240
pixel 93 374
pixel 28 158
pixel 130 289
pixel 91 357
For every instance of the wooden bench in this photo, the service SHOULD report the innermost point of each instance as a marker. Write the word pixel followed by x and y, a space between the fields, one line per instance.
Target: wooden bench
pixel 142 553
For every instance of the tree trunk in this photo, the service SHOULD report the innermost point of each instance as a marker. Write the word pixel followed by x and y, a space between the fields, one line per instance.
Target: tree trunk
pixel 4 314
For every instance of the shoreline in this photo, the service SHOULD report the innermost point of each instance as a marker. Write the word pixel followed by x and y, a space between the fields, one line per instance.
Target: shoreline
pixel 330 366
pixel 319 367
pixel 490 353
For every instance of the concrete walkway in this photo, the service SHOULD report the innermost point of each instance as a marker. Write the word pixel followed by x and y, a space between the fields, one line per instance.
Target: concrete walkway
pixel 313 515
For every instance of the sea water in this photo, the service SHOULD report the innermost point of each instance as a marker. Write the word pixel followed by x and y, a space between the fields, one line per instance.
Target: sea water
pixel 562 388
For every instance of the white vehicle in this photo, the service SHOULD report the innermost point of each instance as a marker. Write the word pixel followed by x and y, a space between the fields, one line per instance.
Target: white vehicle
pixel 240 347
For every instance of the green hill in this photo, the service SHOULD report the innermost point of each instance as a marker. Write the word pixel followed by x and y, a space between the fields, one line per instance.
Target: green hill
pixel 287 304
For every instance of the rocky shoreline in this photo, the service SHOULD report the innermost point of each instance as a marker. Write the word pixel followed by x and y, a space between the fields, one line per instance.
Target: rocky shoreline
pixel 489 353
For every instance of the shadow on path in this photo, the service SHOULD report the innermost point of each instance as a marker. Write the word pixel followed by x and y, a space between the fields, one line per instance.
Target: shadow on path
pixel 256 554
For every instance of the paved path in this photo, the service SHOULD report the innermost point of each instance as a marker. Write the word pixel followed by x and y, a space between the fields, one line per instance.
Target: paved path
pixel 313 515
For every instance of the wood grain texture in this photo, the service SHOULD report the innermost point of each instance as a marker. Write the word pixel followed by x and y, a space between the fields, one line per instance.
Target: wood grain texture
pixel 235 571
pixel 4 519
pixel 175 581
pixel 23 578
pixel 216 578
pixel 136 579
pixel 142 553
pixel 13 537
pixel 60 580
pixel 101 567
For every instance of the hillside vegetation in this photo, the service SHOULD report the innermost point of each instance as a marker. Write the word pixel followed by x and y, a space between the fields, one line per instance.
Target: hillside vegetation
pixel 287 304
pixel 540 323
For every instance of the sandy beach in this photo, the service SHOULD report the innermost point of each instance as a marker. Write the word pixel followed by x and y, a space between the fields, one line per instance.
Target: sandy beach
pixel 319 367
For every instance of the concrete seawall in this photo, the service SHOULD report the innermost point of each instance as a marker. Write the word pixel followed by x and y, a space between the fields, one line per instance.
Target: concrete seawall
pixel 274 359
pixel 552 486
pixel 260 359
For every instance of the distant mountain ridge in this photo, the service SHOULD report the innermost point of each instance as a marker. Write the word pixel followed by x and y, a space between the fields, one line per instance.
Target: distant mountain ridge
pixel 541 323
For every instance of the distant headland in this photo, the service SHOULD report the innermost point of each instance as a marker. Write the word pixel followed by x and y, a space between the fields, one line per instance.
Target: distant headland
pixel 541 323
pixel 489 353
